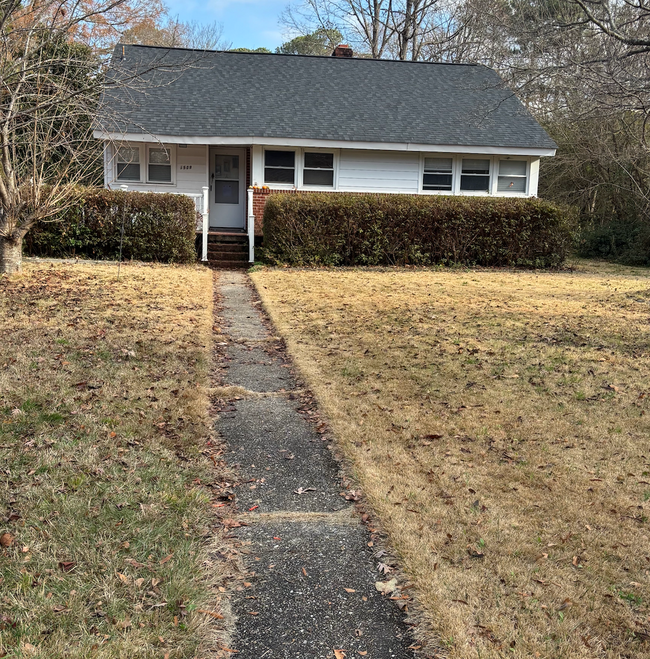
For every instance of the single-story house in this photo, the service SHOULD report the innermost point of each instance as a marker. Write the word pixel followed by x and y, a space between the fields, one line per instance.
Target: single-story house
pixel 228 128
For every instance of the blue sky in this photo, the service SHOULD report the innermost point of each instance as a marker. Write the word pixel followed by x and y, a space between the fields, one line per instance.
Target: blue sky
pixel 246 23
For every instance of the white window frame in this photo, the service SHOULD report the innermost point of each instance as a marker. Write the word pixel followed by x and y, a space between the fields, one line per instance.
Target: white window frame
pixel 171 148
pixel 128 145
pixel 491 179
pixel 505 193
pixel 297 170
pixel 299 163
pixel 335 166
pixel 454 174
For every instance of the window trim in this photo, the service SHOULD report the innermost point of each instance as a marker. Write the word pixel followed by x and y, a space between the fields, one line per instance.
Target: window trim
pixel 505 193
pixel 172 163
pixel 490 174
pixel 298 183
pixel 454 173
pixel 128 145
pixel 335 170
pixel 296 174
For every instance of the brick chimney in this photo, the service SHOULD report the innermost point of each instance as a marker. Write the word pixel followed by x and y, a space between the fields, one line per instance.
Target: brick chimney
pixel 343 50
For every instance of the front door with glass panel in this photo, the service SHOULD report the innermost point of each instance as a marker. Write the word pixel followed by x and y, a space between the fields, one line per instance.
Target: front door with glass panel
pixel 227 188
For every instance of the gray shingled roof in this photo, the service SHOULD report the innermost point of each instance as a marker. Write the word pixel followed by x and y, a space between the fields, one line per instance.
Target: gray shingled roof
pixel 227 94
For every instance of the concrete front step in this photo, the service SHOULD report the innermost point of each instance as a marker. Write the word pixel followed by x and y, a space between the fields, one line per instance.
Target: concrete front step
pixel 228 247
pixel 224 238
pixel 228 265
pixel 226 256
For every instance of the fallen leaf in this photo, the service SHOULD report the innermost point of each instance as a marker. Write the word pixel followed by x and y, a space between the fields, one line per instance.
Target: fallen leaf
pixel 339 654
pixel 304 571
pixel 565 604
pixel 386 587
pixel 6 539
pixel 304 490
pixel 349 590
pixel 123 577
pixel 67 566
pixel 167 558
pixel 213 614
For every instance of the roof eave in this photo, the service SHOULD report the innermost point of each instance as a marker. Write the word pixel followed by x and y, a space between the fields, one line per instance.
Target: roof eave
pixel 327 144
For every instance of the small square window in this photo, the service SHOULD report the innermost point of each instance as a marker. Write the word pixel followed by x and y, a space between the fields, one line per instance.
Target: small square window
pixel 160 165
pixel 438 174
pixel 318 169
pixel 128 163
pixel 512 176
pixel 475 175
pixel 279 167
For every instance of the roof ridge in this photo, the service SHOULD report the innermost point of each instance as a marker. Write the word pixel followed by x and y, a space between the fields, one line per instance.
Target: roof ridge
pixel 326 57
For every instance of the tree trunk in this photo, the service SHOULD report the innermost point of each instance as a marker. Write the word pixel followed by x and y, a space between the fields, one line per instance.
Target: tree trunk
pixel 11 255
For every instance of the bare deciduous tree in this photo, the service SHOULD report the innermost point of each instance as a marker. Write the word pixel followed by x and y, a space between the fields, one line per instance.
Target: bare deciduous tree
pixel 174 33
pixel 365 24
pixel 50 88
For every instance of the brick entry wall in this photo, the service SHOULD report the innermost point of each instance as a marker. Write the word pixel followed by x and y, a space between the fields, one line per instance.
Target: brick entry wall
pixel 261 195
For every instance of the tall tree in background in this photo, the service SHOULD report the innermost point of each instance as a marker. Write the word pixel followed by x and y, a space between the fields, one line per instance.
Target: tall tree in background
pixel 100 23
pixel 365 24
pixel 320 42
pixel 173 33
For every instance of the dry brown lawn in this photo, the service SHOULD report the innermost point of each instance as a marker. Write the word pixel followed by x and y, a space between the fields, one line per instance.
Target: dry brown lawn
pixel 498 425
pixel 103 432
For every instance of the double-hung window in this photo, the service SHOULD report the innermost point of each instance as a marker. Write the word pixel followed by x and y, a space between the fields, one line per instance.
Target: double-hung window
pixel 438 174
pixel 475 175
pixel 280 167
pixel 512 176
pixel 159 165
pixel 318 169
pixel 128 163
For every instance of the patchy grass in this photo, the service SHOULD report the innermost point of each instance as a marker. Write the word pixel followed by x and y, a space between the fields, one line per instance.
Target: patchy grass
pixel 103 429
pixel 498 425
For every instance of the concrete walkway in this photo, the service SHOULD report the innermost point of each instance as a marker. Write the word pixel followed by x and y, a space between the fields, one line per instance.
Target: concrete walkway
pixel 311 573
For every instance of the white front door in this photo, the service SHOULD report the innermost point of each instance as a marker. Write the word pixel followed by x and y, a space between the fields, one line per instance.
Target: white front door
pixel 227 188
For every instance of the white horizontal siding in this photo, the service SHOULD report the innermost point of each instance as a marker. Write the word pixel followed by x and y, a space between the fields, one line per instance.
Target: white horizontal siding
pixel 191 180
pixel 378 171
pixel 186 181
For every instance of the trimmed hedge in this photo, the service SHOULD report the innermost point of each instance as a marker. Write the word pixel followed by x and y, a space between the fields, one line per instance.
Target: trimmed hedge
pixel 157 227
pixel 364 229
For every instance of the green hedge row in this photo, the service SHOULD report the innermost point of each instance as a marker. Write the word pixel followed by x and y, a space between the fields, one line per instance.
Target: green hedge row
pixel 356 229
pixel 157 227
